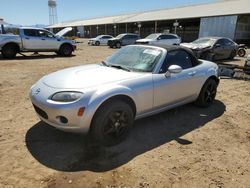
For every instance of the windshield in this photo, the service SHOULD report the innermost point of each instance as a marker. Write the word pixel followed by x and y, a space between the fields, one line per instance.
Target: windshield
pixel 205 41
pixel 120 36
pixel 152 36
pixel 135 58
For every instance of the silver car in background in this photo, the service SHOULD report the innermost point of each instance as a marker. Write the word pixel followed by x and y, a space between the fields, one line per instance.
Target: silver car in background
pixel 100 40
pixel 135 82
pixel 213 48
pixel 160 39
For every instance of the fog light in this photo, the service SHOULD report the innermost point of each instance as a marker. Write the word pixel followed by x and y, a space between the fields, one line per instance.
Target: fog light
pixel 62 119
pixel 81 111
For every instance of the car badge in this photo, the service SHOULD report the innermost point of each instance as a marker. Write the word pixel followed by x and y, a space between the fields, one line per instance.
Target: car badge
pixel 37 91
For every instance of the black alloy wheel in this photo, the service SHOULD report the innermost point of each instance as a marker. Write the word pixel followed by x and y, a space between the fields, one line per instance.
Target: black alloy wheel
pixel 112 122
pixel 207 93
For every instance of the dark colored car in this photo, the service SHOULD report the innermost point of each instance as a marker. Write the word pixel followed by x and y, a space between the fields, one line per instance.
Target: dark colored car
pixel 122 40
pixel 213 48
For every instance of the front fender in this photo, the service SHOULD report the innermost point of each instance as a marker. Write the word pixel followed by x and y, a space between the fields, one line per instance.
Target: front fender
pixel 104 93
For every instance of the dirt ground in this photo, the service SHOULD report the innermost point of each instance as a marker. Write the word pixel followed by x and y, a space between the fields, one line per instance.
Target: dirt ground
pixel 183 147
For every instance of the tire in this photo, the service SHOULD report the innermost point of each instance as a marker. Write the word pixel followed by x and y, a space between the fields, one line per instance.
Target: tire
pixel 118 45
pixel 207 93
pixel 97 43
pixel 233 54
pixel 241 52
pixel 9 51
pixel 112 122
pixel 66 50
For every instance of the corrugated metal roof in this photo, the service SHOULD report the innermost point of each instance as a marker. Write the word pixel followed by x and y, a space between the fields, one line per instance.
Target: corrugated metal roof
pixel 221 8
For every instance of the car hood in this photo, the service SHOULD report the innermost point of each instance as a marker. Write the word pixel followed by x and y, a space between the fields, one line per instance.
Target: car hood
pixel 145 40
pixel 195 46
pixel 64 31
pixel 87 76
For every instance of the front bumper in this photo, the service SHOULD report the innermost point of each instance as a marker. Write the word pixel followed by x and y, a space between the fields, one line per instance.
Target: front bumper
pixel 63 116
pixel 91 42
pixel 197 53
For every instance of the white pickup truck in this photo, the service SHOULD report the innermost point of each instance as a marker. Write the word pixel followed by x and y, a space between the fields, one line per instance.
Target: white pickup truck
pixel 36 40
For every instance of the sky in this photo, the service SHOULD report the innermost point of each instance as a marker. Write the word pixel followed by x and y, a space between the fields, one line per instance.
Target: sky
pixel 31 12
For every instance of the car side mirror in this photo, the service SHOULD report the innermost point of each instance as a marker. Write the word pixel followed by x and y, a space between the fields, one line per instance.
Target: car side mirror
pixel 174 69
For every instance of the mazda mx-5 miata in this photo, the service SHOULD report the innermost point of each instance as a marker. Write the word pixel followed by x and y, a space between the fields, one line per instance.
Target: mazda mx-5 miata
pixel 136 81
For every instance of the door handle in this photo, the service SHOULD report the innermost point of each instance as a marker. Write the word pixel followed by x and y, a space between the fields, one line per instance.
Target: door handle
pixel 43 39
pixel 192 73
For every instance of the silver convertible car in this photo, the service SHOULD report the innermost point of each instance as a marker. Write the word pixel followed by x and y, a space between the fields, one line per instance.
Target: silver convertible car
pixel 136 81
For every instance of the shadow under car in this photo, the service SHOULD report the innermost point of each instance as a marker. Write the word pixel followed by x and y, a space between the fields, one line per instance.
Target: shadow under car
pixel 71 152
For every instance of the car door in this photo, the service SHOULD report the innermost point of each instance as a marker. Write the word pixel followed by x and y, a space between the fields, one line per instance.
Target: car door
pixel 104 40
pixel 175 88
pixel 31 39
pixel 48 41
pixel 126 39
pixel 220 49
pixel 229 47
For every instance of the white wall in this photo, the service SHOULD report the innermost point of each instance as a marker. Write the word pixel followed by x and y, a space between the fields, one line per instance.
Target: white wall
pixel 221 26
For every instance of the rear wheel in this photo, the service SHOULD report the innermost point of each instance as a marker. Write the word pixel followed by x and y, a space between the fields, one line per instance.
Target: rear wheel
pixel 241 52
pixel 9 51
pixel 207 93
pixel 112 122
pixel 66 50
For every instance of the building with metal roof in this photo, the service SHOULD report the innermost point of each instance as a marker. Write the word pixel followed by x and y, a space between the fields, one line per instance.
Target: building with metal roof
pixel 229 18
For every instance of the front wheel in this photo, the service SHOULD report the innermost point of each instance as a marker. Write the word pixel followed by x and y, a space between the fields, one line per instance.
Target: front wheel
pixel 9 51
pixel 112 122
pixel 66 50
pixel 207 93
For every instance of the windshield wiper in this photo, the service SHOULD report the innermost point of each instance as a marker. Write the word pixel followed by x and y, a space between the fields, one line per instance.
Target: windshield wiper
pixel 120 67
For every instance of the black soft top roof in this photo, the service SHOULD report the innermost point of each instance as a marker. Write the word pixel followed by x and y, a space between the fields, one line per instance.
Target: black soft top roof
pixel 177 47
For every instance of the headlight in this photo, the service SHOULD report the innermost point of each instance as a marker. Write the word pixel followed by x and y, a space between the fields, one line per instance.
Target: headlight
pixel 66 96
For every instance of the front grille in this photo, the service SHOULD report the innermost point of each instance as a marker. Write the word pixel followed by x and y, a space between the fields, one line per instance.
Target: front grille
pixel 40 112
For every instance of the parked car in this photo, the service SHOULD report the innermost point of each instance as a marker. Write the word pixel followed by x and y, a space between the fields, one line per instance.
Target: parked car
pixel 135 82
pixel 161 38
pixel 122 40
pixel 100 40
pixel 213 48
pixel 247 65
pixel 36 40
